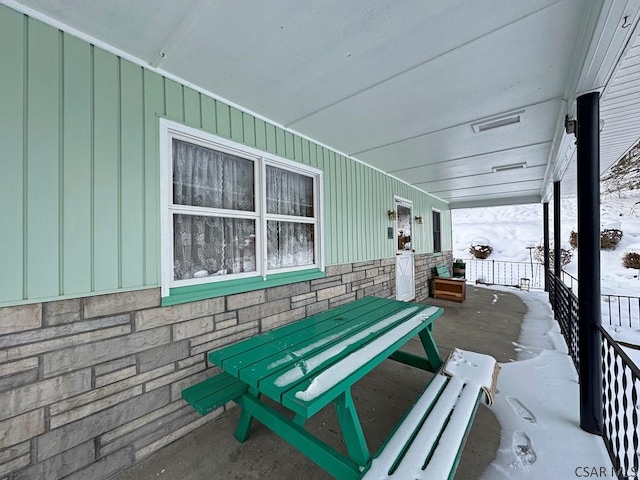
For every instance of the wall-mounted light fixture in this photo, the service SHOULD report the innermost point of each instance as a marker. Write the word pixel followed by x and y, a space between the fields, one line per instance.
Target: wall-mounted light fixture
pixel 419 220
pixel 392 214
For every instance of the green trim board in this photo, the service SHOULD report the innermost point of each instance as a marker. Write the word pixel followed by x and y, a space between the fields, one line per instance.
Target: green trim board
pixel 220 289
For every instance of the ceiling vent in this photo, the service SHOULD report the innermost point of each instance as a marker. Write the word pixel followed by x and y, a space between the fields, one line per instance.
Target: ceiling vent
pixel 513 166
pixel 499 121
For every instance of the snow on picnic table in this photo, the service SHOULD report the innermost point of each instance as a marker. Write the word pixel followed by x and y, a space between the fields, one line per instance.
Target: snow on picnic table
pixel 342 369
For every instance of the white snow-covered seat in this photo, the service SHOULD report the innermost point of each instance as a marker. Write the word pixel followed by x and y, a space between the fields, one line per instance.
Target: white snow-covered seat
pixel 428 442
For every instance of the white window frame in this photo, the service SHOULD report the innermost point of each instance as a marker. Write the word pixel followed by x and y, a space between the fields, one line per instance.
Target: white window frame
pixel 169 130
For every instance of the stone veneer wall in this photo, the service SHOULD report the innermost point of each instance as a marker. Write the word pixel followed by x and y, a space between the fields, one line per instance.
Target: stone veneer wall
pixel 90 386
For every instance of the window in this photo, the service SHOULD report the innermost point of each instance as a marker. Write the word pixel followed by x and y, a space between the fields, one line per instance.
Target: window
pixel 437 237
pixel 232 212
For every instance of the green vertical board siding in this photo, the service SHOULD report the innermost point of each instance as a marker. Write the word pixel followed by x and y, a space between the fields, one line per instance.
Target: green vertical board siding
pixel 363 206
pixel 343 207
pixel 288 145
pixel 378 220
pixel 281 149
pixel 334 254
pixel 303 155
pixel 350 209
pixel 249 129
pixel 80 135
pixel 313 156
pixel 387 204
pixel 342 210
pixel 106 172
pixel 12 134
pixel 43 162
pixel 223 119
pixel 208 114
pixel 270 134
pixel 237 134
pixel 174 100
pixel 446 230
pixel 76 192
pixel 131 175
pixel 261 137
pixel 192 111
pixel 153 106
pixel 297 149
pixel 359 210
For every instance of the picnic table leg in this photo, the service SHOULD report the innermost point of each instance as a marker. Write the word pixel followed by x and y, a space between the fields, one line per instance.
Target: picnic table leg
pixel 351 429
pixel 431 349
pixel 246 419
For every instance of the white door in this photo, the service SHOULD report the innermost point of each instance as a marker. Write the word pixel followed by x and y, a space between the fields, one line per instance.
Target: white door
pixel 405 266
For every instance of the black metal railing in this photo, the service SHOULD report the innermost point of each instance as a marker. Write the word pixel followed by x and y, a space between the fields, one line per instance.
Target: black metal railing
pixel 498 272
pixel 618 310
pixel 620 395
pixel 621 310
pixel 570 281
pixel 565 310
pixel 620 382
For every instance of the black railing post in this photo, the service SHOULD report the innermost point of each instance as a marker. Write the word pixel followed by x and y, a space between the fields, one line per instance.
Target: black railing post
pixel 590 342
pixel 545 247
pixel 557 266
pixel 493 271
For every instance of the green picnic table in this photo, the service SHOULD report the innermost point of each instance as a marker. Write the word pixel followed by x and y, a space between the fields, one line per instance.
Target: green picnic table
pixel 311 363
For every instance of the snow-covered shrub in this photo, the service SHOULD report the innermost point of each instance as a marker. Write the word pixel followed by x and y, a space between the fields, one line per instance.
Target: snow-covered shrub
pixel 480 248
pixel 631 260
pixel 565 256
pixel 573 239
pixel 609 238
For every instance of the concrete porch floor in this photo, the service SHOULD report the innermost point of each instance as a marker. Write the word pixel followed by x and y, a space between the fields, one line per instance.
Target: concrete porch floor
pixel 382 397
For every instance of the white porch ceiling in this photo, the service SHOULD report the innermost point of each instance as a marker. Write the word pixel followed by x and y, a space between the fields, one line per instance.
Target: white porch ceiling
pixel 396 85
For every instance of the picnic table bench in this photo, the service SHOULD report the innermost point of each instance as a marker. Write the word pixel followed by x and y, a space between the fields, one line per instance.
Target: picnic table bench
pixel 309 364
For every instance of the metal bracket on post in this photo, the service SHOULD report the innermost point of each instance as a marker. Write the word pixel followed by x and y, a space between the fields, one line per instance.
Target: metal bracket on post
pixel 570 126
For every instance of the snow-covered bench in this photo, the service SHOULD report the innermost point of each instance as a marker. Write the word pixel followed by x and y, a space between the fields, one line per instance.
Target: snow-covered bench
pixel 428 442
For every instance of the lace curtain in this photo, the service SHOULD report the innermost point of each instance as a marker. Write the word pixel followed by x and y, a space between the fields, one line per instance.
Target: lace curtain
pixel 289 243
pixel 207 245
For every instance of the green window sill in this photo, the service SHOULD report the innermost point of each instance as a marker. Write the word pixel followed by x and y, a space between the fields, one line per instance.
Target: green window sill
pixel 194 293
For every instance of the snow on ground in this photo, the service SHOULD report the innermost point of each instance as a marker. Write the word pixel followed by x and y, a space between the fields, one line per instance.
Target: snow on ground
pixel 539 417
pixel 541 436
pixel 510 229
